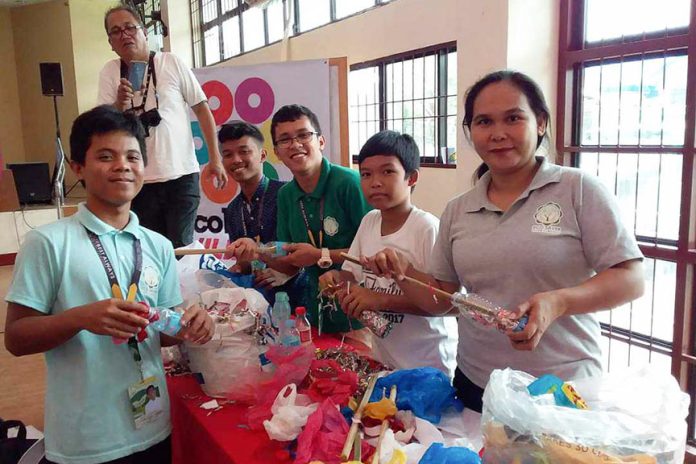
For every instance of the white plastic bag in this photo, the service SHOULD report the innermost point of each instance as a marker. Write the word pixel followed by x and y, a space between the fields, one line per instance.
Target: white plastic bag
pixel 232 355
pixel 290 413
pixel 634 416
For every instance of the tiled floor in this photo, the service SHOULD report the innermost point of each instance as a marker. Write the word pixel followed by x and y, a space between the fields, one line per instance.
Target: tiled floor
pixel 22 380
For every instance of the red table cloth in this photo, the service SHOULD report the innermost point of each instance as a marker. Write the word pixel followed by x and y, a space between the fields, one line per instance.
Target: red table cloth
pixel 217 438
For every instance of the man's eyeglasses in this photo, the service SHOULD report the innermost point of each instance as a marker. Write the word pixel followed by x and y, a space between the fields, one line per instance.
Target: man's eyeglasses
pixel 128 30
pixel 303 137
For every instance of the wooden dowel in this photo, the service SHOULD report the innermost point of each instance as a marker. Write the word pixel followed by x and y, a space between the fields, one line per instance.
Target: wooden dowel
pixel 200 251
pixel 438 291
pixel 215 251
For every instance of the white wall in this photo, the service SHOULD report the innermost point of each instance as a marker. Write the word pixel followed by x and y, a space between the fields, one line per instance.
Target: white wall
pixel 490 35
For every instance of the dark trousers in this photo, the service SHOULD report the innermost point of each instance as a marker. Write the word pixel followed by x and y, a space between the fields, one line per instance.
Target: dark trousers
pixel 170 208
pixel 161 453
pixel 467 391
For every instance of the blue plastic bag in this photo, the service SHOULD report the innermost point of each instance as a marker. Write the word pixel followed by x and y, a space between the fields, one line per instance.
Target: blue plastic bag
pixel 438 454
pixel 426 391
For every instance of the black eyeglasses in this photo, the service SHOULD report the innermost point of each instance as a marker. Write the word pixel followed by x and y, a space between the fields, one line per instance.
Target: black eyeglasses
pixel 303 137
pixel 129 30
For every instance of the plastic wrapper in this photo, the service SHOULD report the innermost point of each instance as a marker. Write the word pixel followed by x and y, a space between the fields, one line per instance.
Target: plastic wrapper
pixel 323 437
pixel 290 413
pixel 425 391
pixel 634 416
pixel 329 380
pixel 438 454
pixel 292 366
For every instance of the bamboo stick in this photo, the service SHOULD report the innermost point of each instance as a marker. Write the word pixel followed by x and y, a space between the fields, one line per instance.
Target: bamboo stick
pixel 383 430
pixel 345 453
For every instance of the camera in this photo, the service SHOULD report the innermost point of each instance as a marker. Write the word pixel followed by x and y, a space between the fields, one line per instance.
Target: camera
pixel 150 118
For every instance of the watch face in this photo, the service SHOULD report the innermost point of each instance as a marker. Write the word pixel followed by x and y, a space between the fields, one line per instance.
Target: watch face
pixel 324 263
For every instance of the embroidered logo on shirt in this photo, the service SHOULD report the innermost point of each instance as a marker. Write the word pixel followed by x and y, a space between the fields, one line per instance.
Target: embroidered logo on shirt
pixel 547 218
pixel 330 226
pixel 151 280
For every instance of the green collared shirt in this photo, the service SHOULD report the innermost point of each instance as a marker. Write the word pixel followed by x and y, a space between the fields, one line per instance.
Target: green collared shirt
pixel 343 208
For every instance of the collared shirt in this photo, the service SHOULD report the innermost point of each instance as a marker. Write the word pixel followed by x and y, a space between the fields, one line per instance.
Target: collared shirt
pixel 563 229
pixel 241 214
pixel 343 208
pixel 88 415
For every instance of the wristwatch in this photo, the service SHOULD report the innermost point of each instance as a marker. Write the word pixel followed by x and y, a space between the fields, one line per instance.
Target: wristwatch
pixel 325 260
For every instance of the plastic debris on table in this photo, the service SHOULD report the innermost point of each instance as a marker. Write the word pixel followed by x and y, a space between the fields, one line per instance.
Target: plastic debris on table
pixel 426 391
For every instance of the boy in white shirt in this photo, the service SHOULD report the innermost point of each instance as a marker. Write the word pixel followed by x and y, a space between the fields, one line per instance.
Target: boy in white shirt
pixel 389 163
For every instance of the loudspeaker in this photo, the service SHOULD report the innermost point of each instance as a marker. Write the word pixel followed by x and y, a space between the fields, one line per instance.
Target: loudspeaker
pixel 32 181
pixel 51 79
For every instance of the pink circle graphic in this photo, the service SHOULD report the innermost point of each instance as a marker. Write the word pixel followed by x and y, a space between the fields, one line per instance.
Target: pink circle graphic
pixel 261 88
pixel 217 89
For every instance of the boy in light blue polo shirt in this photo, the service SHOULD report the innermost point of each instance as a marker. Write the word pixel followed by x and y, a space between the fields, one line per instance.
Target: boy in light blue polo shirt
pixel 73 296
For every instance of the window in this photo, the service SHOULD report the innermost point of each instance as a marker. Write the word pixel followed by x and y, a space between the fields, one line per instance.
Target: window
pixel 413 93
pixel 222 29
pixel 627 109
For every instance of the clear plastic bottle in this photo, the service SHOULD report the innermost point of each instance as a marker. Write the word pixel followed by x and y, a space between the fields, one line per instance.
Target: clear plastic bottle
pixel 280 312
pixel 163 320
pixel 168 321
pixel 291 337
pixel 303 326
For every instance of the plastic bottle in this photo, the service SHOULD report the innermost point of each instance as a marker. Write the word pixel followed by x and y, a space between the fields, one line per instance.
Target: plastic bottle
pixel 291 337
pixel 280 312
pixel 302 324
pixel 163 320
pixel 168 322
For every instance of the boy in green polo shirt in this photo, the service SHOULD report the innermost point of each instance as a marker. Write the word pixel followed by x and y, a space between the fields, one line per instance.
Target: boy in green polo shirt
pixel 73 296
pixel 319 211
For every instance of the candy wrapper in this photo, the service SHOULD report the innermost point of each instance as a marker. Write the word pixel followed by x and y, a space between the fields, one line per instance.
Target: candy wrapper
pixel 487 313
pixel 354 362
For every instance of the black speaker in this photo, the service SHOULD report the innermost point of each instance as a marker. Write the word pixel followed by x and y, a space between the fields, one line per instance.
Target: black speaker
pixel 32 181
pixel 51 79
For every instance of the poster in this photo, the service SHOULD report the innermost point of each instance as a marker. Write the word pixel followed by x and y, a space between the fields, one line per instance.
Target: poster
pixel 253 94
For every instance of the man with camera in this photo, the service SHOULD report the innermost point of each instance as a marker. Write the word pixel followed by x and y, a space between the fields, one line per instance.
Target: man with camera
pixel 162 90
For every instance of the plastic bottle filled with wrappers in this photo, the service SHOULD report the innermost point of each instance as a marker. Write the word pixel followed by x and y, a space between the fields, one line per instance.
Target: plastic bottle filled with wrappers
pixel 376 322
pixel 487 313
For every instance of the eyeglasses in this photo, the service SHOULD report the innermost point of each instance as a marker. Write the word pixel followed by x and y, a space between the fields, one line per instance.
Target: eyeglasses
pixel 128 30
pixel 303 137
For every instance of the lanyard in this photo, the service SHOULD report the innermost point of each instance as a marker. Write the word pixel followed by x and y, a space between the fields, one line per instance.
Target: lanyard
pixel 116 288
pixel 259 225
pixel 310 234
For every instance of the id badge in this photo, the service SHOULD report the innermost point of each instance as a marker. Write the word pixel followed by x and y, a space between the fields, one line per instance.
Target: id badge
pixel 147 405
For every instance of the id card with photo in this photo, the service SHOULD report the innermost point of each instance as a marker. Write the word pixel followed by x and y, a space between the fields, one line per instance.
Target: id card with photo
pixel 146 402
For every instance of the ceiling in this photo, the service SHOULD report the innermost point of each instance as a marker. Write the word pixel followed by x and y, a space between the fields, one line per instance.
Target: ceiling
pixel 20 2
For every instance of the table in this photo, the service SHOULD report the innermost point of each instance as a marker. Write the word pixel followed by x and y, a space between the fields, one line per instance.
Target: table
pixel 218 438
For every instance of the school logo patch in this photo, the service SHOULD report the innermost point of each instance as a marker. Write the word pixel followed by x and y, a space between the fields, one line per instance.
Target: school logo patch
pixel 548 217
pixel 330 226
pixel 150 280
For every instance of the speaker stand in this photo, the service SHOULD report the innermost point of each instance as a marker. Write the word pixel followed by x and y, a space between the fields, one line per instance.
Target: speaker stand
pixel 59 171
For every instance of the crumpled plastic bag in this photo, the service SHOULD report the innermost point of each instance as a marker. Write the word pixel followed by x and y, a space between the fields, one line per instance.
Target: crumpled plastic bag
pixel 380 410
pixel 292 366
pixel 438 454
pixel 426 391
pixel 290 412
pixel 324 435
pixel 637 414
pixel 330 380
